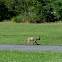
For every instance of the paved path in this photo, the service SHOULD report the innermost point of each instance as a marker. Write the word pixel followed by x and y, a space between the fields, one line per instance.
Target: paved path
pixel 30 47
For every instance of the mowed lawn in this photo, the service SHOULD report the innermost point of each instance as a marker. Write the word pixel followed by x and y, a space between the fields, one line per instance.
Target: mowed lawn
pixel 16 33
pixel 21 56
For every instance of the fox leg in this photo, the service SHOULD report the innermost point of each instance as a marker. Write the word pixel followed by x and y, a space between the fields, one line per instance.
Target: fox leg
pixel 35 42
pixel 28 42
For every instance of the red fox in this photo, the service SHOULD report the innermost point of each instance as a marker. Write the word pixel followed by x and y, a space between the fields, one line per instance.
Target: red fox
pixel 32 39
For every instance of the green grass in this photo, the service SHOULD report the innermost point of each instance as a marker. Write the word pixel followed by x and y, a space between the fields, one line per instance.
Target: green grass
pixel 15 33
pixel 21 56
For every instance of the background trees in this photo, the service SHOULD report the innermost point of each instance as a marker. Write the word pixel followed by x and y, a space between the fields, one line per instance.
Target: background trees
pixel 31 10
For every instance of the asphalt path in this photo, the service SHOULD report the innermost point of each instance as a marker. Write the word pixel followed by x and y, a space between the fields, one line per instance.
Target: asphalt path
pixel 30 47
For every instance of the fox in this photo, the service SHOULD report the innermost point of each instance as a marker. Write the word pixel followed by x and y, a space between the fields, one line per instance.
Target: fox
pixel 32 39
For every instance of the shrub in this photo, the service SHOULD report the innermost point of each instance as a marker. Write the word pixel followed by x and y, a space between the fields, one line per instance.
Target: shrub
pixel 17 19
pixel 28 17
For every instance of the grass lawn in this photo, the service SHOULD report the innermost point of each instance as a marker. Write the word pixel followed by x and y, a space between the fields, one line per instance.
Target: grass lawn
pixel 21 56
pixel 16 33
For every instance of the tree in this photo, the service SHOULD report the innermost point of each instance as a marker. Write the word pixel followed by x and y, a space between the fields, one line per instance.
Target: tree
pixel 3 11
pixel 35 10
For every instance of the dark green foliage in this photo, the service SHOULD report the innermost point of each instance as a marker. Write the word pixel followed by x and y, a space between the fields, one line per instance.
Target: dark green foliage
pixel 32 10
pixel 3 11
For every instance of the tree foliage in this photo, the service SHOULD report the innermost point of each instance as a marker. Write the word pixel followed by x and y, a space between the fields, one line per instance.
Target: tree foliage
pixel 31 10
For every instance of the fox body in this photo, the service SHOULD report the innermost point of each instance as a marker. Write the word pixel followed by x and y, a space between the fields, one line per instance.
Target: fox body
pixel 33 40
